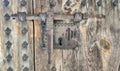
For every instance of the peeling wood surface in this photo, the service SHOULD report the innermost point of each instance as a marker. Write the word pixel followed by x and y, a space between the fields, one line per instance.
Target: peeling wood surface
pixel 99 42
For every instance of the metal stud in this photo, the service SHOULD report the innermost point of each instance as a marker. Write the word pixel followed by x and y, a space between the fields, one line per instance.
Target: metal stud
pixel 9 58
pixel 23 3
pixel 78 17
pixel 24 31
pixel 68 2
pixel 52 3
pixel 115 3
pixel 9 69
pixel 26 69
pixel 25 57
pixel 85 16
pixel 8 31
pixel 53 68
pixel 7 16
pixel 99 3
pixel 8 44
pixel 6 3
pixel 25 44
pixel 83 3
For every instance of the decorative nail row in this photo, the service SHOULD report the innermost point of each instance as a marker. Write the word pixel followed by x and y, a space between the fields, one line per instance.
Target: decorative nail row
pixel 7 33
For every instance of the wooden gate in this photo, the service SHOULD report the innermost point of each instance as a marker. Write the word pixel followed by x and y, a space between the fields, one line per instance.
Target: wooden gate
pixel 59 35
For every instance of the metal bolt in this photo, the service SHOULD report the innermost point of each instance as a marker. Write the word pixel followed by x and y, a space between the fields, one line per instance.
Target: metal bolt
pixel 7 16
pixel 26 69
pixel 6 3
pixel 8 44
pixel 9 58
pixel 25 44
pixel 25 57
pixel 8 31
pixel 9 69
pixel 23 3
pixel 24 31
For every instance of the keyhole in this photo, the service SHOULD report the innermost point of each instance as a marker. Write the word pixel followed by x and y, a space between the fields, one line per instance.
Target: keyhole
pixel 60 41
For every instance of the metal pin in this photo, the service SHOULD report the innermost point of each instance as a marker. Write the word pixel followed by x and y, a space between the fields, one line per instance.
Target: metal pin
pixel 25 57
pixel 25 44
pixel 24 31
pixel 8 44
pixel 6 3
pixel 7 17
pixel 26 69
pixel 9 69
pixel 9 58
pixel 23 3
pixel 8 31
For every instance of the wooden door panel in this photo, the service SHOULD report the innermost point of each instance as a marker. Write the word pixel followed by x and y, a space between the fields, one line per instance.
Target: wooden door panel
pixel 28 39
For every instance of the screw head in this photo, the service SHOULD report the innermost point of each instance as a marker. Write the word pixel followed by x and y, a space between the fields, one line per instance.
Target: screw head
pixel 8 44
pixel 9 69
pixel 8 31
pixel 7 17
pixel 24 31
pixel 6 3
pixel 9 58
pixel 23 3
pixel 25 44
pixel 25 57
pixel 26 69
